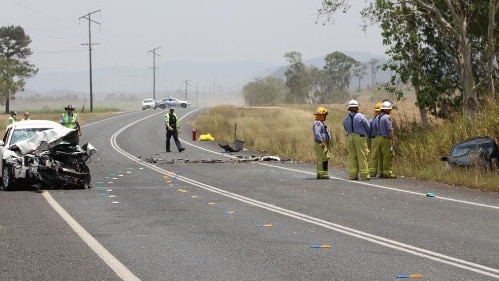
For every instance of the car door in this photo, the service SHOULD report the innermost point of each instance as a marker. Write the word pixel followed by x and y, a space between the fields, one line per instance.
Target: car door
pixel 6 139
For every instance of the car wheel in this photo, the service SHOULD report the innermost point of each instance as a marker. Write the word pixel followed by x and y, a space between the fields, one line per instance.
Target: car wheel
pixel 7 177
pixel 162 106
pixel 183 105
pixel 143 108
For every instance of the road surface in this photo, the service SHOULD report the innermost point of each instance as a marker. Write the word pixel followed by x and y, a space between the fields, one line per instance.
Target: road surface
pixel 204 215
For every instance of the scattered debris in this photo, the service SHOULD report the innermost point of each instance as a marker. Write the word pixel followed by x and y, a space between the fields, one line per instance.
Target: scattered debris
pixel 320 246
pixel 158 160
pixel 235 147
pixel 238 159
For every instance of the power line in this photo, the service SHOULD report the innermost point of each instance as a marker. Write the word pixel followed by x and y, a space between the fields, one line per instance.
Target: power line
pixel 90 20
pixel 154 54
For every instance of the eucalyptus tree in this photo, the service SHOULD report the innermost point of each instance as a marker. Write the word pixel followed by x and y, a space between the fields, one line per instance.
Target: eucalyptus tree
pixel 374 67
pixel 297 78
pixel 14 65
pixel 265 91
pixel 338 73
pixel 359 71
pixel 414 58
pixel 319 93
pixel 465 32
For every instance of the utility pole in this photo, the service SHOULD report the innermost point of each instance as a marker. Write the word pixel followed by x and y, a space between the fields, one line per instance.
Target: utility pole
pixel 154 54
pixel 186 83
pixel 90 20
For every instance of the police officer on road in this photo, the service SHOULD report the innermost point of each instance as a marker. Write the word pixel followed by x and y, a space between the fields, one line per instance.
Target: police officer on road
pixel 172 125
pixel 12 118
pixel 69 119
pixel 357 129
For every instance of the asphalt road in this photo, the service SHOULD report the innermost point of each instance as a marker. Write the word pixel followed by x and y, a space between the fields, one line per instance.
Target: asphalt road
pixel 203 215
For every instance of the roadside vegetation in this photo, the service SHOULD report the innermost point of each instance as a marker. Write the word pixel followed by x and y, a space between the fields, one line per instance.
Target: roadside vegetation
pixel 286 131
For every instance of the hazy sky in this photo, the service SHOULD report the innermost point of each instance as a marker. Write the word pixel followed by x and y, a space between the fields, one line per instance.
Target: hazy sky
pixel 191 30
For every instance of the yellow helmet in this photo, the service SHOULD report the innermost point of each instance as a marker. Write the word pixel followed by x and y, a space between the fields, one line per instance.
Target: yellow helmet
pixel 377 107
pixel 321 111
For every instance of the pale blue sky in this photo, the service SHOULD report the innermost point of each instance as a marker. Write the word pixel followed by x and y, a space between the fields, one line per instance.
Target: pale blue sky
pixel 191 30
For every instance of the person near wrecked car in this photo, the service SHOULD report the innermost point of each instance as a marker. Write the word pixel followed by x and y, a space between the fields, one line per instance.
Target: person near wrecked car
pixel 373 143
pixel 12 117
pixel 358 130
pixel 386 136
pixel 26 116
pixel 69 119
pixel 322 139
pixel 172 125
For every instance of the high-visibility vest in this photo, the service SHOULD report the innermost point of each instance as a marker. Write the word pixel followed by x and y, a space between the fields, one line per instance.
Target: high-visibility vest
pixel 69 122
pixel 173 122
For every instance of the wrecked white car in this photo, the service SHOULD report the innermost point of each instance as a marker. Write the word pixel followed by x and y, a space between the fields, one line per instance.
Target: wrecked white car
pixel 44 152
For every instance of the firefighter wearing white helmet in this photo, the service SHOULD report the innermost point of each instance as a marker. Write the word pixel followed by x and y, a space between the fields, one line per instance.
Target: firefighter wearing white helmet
pixel 322 144
pixel 358 130
pixel 373 143
pixel 386 140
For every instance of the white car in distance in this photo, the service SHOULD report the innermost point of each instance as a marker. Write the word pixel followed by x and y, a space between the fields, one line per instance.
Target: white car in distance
pixel 148 103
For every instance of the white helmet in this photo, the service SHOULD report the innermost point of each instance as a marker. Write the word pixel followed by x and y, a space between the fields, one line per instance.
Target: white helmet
pixel 353 103
pixel 386 105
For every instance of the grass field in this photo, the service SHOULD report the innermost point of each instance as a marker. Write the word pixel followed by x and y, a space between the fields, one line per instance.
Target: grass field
pixel 287 131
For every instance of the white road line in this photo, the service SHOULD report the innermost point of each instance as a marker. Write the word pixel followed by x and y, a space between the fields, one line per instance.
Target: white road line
pixel 463 264
pixel 390 188
pixel 120 270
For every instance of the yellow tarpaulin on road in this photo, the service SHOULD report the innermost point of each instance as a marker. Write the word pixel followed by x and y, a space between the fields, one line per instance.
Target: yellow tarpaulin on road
pixel 206 137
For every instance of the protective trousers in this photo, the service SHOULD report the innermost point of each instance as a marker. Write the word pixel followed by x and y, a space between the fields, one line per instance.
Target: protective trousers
pixel 357 157
pixel 386 157
pixel 374 161
pixel 322 161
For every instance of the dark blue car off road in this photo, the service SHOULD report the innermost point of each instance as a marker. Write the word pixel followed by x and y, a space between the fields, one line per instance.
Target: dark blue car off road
pixel 479 151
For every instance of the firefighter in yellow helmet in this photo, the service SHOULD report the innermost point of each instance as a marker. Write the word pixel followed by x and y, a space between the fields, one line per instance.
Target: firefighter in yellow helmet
pixel 322 139
pixel 386 145
pixel 373 143
pixel 357 128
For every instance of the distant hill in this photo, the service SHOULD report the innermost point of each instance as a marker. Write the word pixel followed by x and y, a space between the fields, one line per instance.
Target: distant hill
pixel 170 78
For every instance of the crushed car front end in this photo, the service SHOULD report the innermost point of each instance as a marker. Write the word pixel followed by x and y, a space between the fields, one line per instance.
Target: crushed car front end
pixel 52 158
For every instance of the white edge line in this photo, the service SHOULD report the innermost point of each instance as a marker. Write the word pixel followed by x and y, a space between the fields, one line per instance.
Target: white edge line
pixel 123 272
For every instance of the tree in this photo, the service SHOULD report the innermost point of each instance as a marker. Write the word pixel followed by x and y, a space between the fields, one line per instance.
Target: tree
pixel 14 66
pixel 460 33
pixel 266 91
pixel 359 71
pixel 297 78
pixel 337 69
pixel 374 67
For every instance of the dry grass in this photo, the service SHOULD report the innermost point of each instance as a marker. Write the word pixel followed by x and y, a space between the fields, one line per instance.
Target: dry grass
pixel 287 131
